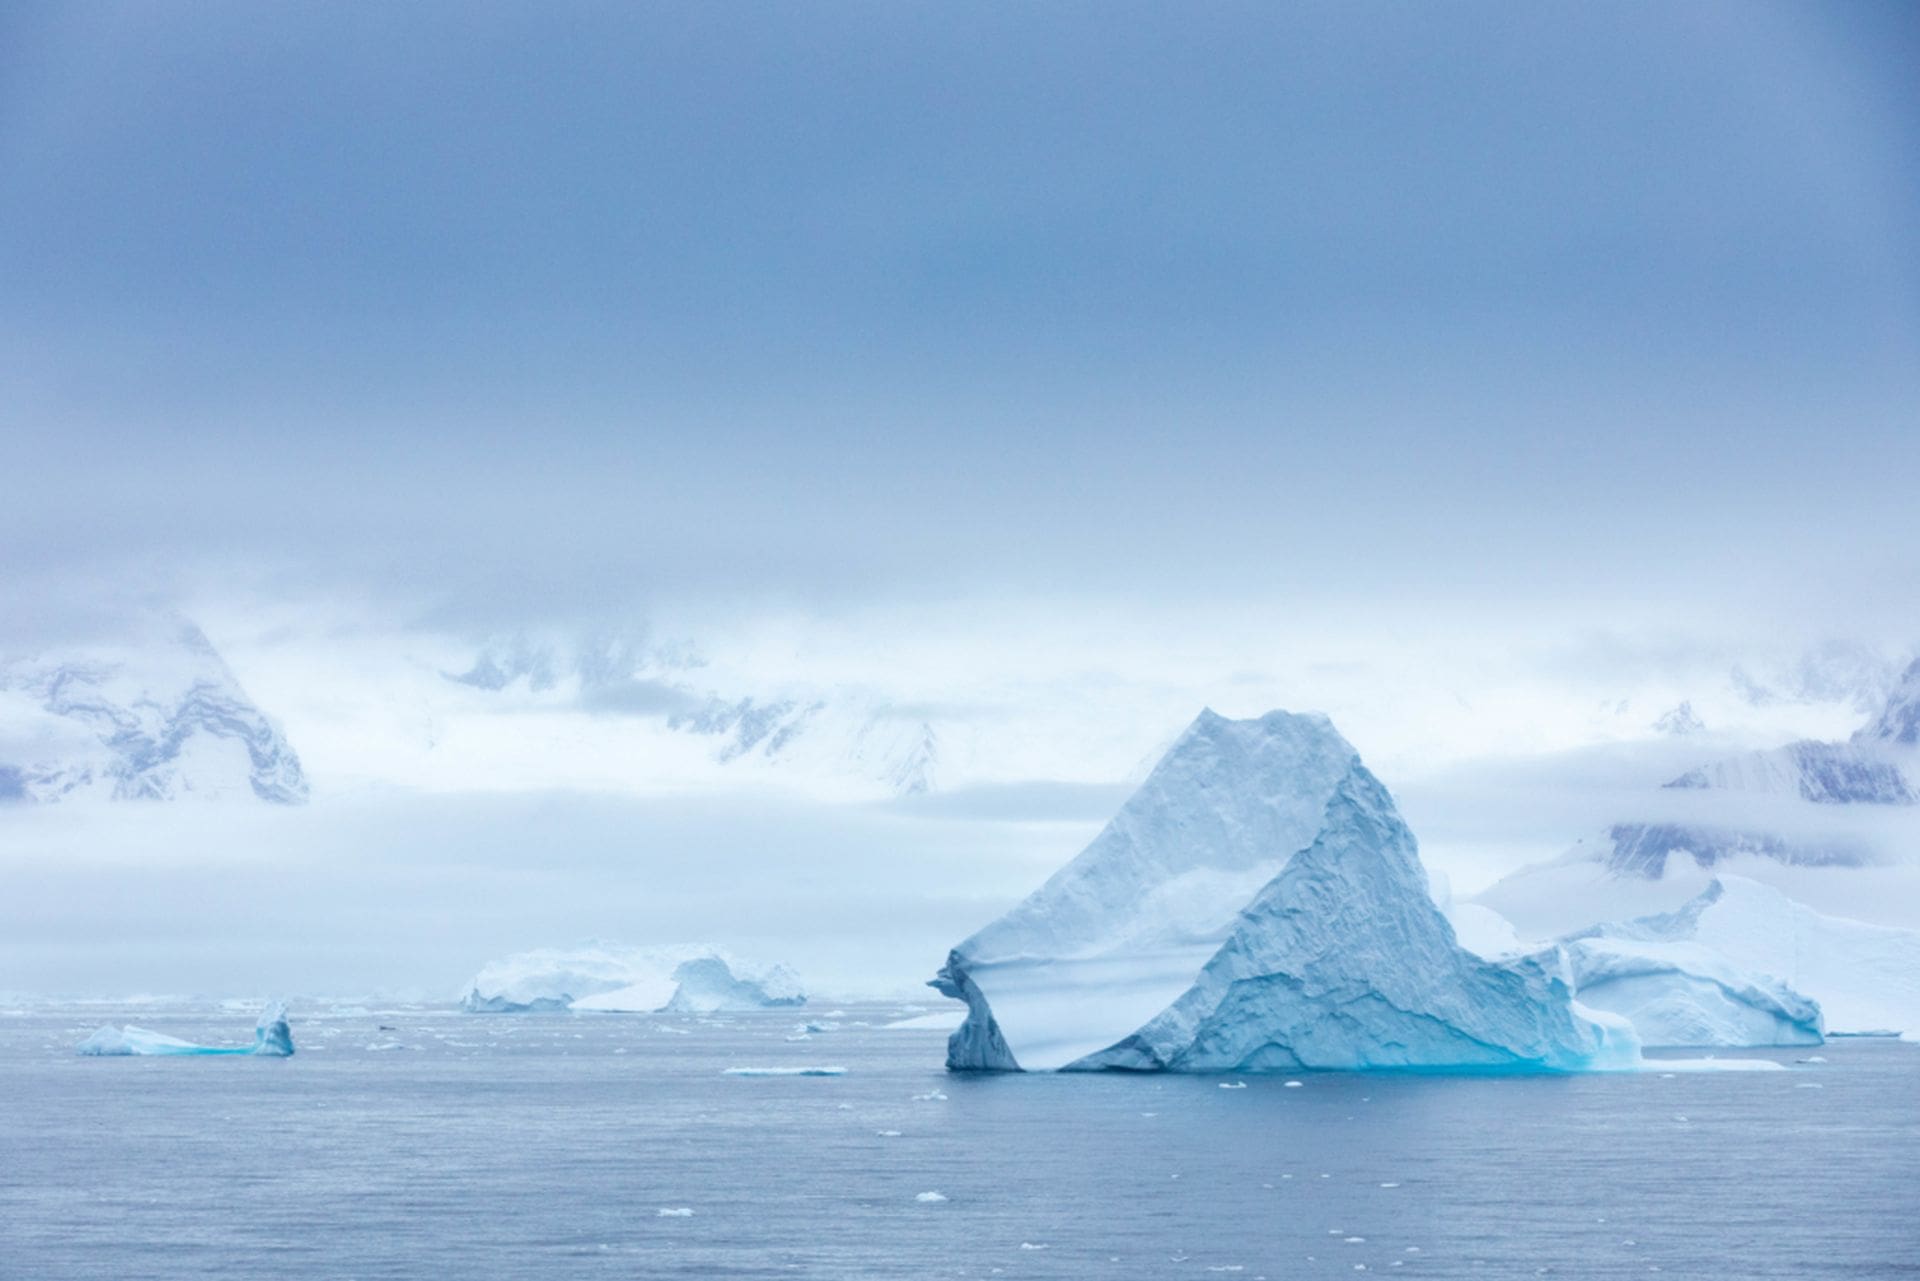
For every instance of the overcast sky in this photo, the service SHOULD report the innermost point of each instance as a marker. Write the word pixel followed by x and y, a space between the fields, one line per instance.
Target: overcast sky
pixel 1449 367
pixel 519 310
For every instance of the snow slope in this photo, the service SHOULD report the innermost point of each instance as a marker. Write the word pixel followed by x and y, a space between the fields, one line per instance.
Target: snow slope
pixel 1823 773
pixel 1865 977
pixel 1682 993
pixel 1898 724
pixel 1256 904
pixel 154 715
pixel 612 978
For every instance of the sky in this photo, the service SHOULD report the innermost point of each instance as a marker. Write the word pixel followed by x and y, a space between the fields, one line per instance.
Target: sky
pixel 1491 376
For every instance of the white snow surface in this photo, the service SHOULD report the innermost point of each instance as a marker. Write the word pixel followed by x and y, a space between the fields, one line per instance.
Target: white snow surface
pixel 1678 993
pixel 614 978
pixel 152 714
pixel 1866 978
pixel 1256 905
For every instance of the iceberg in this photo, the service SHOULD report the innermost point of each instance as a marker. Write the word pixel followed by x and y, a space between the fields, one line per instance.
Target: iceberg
pixel 1682 994
pixel 611 978
pixel 1256 905
pixel 1865 978
pixel 272 1038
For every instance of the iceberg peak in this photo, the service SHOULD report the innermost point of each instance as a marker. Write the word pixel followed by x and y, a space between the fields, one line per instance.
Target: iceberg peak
pixel 1256 904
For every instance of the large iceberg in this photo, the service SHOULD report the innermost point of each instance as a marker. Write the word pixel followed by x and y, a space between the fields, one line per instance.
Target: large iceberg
pixel 1256 905
pixel 611 978
pixel 272 1038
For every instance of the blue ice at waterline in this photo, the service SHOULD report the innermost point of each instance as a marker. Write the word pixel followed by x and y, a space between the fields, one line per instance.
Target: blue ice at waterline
pixel 272 1038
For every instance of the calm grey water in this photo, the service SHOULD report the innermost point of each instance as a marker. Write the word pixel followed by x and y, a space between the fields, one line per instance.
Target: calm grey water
pixel 531 1147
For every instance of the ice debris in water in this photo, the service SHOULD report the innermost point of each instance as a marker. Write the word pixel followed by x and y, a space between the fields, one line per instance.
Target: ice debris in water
pixel 785 1071
pixel 675 1212
pixel 929 1197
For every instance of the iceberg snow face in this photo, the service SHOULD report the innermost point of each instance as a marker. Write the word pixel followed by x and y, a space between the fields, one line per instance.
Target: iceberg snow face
pixel 610 978
pixel 272 1038
pixel 1256 905
pixel 1866 978
pixel 1683 994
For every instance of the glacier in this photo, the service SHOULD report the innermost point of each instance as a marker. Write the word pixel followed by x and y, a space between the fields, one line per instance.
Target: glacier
pixel 272 1038
pixel 614 978
pixel 1257 904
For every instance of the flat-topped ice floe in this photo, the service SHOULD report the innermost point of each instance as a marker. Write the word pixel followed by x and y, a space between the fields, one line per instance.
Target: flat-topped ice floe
pixel 611 978
pixel 785 1071
pixel 272 1038
pixel 1256 905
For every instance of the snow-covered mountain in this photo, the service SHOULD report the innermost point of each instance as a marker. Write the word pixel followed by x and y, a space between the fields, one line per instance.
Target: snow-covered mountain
pixel 154 714
pixel 1824 773
pixel 1782 805
pixel 1649 849
pixel 1898 724
pixel 840 734
pixel 1256 905
pixel 846 735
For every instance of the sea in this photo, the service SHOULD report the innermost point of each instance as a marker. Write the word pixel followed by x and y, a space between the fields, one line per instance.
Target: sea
pixel 414 1142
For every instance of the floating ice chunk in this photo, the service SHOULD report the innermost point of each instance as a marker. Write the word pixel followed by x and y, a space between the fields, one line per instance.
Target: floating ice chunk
pixel 1233 1085
pixel 675 1212
pixel 1721 1065
pixel 929 1197
pixel 612 978
pixel 785 1071
pixel 272 1038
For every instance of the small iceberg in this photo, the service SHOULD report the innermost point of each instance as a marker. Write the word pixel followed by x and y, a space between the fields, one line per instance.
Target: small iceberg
pixel 610 978
pixel 272 1038
pixel 785 1071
